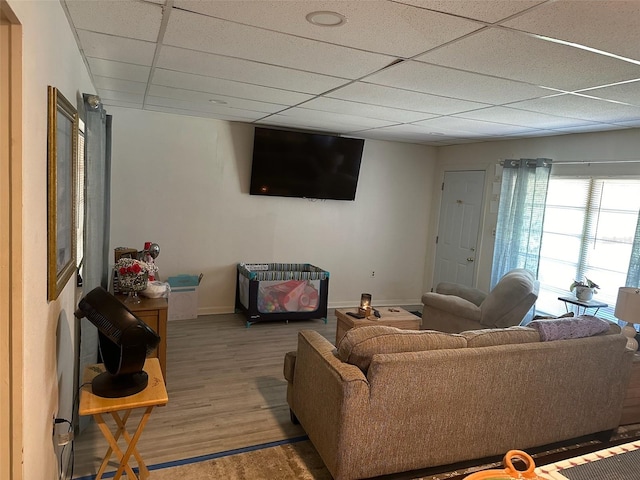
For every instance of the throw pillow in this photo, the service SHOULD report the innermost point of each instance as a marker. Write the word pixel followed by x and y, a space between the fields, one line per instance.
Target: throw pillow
pixel 566 328
pixel 359 345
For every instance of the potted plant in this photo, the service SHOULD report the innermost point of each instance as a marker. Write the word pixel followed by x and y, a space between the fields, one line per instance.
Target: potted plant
pixel 584 290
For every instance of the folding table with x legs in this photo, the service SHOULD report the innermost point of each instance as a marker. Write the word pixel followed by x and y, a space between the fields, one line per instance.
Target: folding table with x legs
pixel 120 409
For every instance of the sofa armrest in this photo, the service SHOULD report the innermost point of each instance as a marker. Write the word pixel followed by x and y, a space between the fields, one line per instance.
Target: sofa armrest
pixel 324 394
pixel 471 294
pixel 451 304
pixel 447 313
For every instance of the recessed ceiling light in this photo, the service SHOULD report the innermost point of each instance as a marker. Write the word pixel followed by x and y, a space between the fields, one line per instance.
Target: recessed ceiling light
pixel 217 102
pixel 326 19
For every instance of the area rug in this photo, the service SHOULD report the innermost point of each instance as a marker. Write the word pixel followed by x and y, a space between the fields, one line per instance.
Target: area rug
pixel 297 459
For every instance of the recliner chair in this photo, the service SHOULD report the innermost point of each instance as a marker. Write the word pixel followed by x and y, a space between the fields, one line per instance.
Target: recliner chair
pixel 455 308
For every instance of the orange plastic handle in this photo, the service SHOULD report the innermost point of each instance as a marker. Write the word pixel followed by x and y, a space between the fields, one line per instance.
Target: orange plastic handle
pixel 510 472
pixel 525 457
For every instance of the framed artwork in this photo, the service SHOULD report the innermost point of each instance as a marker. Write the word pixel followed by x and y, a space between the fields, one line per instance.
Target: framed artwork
pixel 61 158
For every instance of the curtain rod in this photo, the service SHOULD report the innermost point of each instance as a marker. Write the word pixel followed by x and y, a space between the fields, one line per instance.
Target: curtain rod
pixel 578 162
pixel 586 162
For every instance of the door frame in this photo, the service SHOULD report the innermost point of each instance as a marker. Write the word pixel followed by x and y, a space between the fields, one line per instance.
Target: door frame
pixel 11 278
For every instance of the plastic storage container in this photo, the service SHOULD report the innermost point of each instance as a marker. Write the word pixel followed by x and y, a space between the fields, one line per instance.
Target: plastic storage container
pixel 183 298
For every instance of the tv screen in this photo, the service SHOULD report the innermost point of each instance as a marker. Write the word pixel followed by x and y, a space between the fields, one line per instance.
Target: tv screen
pixel 308 165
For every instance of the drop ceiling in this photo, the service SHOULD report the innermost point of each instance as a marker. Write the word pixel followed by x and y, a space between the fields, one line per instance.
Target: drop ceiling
pixel 434 72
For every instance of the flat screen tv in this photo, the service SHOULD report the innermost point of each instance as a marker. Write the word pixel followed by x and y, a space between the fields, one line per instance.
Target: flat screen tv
pixel 307 165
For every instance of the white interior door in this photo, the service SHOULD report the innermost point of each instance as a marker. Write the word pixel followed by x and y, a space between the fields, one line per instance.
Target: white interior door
pixel 458 228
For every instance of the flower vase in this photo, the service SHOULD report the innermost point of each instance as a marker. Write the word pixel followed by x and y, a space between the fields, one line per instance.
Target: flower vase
pixel 132 284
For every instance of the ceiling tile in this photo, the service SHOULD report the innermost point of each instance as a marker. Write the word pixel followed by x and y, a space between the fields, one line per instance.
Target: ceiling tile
pixel 118 85
pixel 119 103
pixel 375 25
pixel 364 110
pixel 629 124
pixel 119 49
pixel 204 98
pixel 510 54
pixel 626 92
pixel 245 71
pixel 575 106
pixel 453 83
pixel 307 123
pixel 451 125
pixel 232 116
pixel 404 99
pixel 485 10
pixel 108 96
pixel 188 81
pixel 202 107
pixel 198 32
pixel 124 18
pixel 610 25
pixel 523 118
pixel 354 121
pixel 596 127
pixel 413 133
pixel 124 71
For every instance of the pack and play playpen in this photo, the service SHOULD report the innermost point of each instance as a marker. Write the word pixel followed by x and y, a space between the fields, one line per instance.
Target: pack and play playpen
pixel 281 291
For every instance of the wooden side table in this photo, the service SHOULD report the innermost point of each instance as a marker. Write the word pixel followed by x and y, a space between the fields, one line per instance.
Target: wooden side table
pixel 153 312
pixel 120 409
pixel 631 406
pixel 390 316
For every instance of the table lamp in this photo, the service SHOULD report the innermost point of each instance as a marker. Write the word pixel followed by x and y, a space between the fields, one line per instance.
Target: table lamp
pixel 628 309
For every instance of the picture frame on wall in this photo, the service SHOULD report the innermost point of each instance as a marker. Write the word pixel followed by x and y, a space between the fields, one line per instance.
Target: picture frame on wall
pixel 62 134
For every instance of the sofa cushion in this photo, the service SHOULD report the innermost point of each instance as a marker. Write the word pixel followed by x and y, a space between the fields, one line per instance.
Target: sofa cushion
pixel 566 328
pixel 500 336
pixel 358 345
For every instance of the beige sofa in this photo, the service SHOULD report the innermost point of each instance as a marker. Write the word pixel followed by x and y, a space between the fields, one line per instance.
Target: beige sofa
pixel 390 400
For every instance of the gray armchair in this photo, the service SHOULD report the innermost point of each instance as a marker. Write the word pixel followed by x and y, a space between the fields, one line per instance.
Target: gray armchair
pixel 455 308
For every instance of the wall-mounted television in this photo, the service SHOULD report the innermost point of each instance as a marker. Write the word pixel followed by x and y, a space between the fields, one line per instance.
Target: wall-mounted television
pixel 308 165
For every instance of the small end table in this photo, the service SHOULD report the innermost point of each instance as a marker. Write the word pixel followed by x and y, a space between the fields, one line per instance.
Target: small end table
pixel 585 304
pixel 120 408
pixel 390 316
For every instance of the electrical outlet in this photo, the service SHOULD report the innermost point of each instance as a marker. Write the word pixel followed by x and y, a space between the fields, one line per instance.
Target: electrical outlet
pixel 373 274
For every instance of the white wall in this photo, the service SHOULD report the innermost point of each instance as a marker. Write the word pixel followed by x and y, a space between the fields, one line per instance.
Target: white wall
pixel 50 57
pixel 606 149
pixel 183 183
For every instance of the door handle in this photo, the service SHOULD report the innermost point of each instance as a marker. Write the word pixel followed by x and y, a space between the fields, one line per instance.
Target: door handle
pixel 470 259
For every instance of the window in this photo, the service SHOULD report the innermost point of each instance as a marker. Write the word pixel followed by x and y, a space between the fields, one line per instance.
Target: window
pixel 588 231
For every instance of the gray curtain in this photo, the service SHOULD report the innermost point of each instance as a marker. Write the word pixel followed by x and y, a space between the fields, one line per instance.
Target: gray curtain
pixel 520 216
pixel 633 275
pixel 95 267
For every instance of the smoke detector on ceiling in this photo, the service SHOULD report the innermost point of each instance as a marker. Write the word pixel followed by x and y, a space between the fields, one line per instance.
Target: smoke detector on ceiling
pixel 326 19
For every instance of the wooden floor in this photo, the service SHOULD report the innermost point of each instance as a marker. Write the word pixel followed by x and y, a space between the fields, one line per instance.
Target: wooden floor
pixel 226 391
